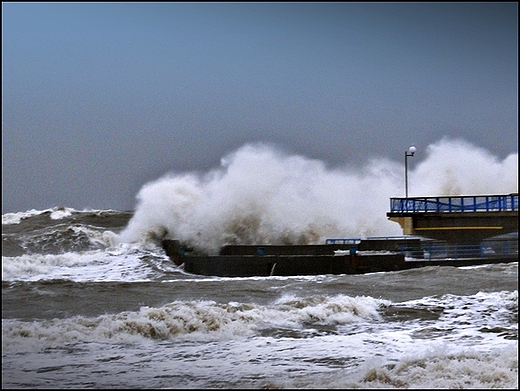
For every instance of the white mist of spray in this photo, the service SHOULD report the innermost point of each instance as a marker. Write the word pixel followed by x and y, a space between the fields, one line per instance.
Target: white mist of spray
pixel 456 167
pixel 260 195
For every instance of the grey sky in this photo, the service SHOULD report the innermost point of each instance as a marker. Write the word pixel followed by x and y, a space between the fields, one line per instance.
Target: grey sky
pixel 100 98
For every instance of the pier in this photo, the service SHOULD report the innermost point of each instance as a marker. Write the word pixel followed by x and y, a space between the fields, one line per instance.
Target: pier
pixel 437 231
pixel 456 219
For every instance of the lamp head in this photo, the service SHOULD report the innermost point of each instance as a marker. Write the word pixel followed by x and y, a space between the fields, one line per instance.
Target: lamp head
pixel 412 150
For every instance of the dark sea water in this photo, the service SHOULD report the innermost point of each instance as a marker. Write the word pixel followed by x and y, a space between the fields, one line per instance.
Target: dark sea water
pixel 83 309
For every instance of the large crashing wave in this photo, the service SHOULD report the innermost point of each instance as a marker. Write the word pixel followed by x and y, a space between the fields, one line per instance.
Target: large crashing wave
pixel 260 194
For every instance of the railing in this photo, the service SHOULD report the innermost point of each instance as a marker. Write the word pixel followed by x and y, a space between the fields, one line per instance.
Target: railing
pixel 506 247
pixel 343 241
pixel 487 249
pixel 358 240
pixel 480 203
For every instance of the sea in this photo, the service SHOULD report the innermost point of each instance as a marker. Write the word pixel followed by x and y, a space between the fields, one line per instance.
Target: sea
pixel 90 300
pixel 82 308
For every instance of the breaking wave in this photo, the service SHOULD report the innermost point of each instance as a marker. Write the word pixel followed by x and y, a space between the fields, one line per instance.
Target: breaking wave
pixel 260 194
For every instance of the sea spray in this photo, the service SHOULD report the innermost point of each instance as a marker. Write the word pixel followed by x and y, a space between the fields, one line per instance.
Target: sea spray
pixel 260 194
pixel 456 167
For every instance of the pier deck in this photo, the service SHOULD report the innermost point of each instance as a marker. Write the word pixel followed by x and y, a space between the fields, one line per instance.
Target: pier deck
pixel 456 219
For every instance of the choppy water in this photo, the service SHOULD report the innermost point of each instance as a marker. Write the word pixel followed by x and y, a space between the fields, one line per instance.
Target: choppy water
pixel 80 309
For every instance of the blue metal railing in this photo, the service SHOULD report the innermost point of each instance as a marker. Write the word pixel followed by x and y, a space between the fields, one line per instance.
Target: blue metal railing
pixel 506 247
pixel 358 240
pixel 436 251
pixel 343 241
pixel 479 203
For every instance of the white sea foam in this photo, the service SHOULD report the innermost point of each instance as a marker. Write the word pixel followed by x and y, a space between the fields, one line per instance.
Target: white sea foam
pixel 117 264
pixel 66 236
pixel 332 361
pixel 485 312
pixel 15 218
pixel 61 213
pixel 56 213
pixel 193 320
pixel 356 349
pixel 201 320
pixel 261 195
pixel 442 366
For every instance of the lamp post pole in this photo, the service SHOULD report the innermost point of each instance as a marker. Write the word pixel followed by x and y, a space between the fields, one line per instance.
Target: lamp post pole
pixel 408 153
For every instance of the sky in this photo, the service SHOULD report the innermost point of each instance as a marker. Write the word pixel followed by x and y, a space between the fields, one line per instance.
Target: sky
pixel 99 99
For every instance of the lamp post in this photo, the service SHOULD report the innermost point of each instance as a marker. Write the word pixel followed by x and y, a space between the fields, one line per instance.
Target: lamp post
pixel 410 153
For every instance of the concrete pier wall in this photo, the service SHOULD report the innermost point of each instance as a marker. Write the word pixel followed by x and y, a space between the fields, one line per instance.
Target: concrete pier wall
pixel 456 227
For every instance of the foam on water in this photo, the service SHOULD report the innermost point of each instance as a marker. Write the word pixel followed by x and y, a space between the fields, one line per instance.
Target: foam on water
pixel 123 263
pixel 329 342
pixel 66 236
pixel 263 362
pixel 77 252
pixel 56 213
pixel 202 320
pixel 466 318
pixel 442 366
